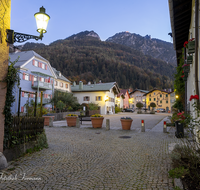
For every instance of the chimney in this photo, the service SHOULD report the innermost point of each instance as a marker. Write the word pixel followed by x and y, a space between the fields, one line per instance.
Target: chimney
pixel 80 85
pixel 89 83
pixel 74 83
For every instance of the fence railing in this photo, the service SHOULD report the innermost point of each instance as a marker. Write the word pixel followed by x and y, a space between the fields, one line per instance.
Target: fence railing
pixel 24 129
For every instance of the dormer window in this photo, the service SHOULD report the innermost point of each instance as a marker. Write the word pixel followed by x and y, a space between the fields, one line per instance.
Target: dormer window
pixel 59 74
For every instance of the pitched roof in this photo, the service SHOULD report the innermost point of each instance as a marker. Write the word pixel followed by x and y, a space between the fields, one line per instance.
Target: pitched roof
pixel 157 89
pixel 124 91
pixel 61 77
pixel 144 91
pixel 96 87
pixel 24 56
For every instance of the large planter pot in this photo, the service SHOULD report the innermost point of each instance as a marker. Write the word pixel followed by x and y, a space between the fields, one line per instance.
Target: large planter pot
pixel 189 59
pixel 71 121
pixel 47 119
pixel 97 122
pixel 126 124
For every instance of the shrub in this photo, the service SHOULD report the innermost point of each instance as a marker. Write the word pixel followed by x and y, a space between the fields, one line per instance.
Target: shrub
pixel 96 115
pixel 117 109
pixel 93 106
pixel 72 115
pixel 139 105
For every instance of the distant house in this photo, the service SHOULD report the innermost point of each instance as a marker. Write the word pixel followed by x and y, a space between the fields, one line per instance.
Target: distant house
pixel 61 83
pixel 119 100
pixel 126 98
pixel 160 97
pixel 36 75
pixel 102 94
pixel 137 96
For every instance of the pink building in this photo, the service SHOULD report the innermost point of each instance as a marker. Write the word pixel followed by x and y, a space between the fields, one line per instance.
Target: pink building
pixel 126 99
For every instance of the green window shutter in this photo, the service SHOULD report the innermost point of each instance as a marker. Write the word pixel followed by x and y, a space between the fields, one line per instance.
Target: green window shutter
pixel 166 102
pixel 154 99
pixel 166 95
pixel 160 95
pixel 149 99
pixel 161 101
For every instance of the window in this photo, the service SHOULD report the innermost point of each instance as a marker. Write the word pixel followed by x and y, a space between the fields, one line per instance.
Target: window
pixel 149 99
pixel 161 101
pixel 42 79
pixel 160 95
pixel 56 83
pixel 149 95
pixel 26 95
pixel 166 95
pixel 86 98
pixel 61 84
pixel 154 99
pixel 36 63
pixel 43 66
pixel 26 76
pixel 98 98
pixel 154 93
pixel 35 78
pixel 166 101
pixel 66 85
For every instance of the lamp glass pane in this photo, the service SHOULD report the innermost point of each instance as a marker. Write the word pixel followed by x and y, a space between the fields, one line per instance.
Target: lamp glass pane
pixel 41 21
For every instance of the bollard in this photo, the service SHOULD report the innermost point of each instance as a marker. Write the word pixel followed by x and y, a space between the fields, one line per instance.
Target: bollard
pixel 164 127
pixel 77 122
pixel 107 124
pixel 142 126
pixel 50 122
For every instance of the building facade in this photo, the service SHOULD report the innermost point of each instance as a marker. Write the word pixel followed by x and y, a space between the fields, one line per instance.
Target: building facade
pixel 102 94
pixel 36 75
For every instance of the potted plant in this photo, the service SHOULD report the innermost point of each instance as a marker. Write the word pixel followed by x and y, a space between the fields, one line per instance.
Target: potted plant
pixel 139 105
pixel 126 123
pixel 190 45
pixel 189 59
pixel 97 120
pixel 153 105
pixel 47 118
pixel 71 120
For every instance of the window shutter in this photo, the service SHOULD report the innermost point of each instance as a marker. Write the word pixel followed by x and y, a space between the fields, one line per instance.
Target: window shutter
pixel 30 77
pixel 51 81
pixel 22 94
pixel 96 98
pixel 39 94
pixel 40 79
pixel 101 98
pixel 51 96
pixel 45 67
pixel 24 76
pixel 22 109
pixel 33 62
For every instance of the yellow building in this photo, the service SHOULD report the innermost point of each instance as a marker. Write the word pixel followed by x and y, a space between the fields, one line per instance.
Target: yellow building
pixel 160 97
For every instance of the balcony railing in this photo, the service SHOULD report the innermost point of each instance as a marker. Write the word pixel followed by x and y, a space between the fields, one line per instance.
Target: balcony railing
pixel 42 85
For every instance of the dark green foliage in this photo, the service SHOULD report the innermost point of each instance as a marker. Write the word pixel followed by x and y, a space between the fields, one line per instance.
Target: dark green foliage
pixel 152 104
pixel 93 106
pixel 179 85
pixel 139 105
pixel 11 79
pixel 66 98
pixel 90 60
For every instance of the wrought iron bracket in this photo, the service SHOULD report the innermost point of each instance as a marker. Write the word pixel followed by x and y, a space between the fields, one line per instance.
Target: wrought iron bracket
pixel 13 37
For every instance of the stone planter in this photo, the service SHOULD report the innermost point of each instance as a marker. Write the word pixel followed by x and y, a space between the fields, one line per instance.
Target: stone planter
pixel 71 121
pixel 126 124
pixel 97 122
pixel 47 119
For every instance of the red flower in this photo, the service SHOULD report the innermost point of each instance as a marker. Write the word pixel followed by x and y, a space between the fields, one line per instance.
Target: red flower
pixel 191 39
pixel 185 43
pixel 194 97
pixel 182 71
pixel 182 76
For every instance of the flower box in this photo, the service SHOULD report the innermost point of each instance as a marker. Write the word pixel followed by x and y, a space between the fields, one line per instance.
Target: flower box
pixel 191 47
pixel 189 59
pixel 71 120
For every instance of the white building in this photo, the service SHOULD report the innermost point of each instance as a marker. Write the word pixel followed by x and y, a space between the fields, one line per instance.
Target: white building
pixel 102 94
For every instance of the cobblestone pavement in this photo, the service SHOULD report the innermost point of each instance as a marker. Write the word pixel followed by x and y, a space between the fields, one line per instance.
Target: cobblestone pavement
pixel 87 158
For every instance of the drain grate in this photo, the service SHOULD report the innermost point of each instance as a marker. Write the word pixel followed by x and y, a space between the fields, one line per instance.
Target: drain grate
pixel 98 133
pixel 125 137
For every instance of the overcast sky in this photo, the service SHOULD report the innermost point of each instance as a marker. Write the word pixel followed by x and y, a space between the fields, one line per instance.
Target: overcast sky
pixel 105 17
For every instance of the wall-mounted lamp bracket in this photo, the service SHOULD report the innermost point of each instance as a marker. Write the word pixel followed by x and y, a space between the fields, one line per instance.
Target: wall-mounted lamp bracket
pixel 13 37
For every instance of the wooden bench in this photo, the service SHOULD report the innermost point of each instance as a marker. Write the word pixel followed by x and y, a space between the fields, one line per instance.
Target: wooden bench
pixel 85 118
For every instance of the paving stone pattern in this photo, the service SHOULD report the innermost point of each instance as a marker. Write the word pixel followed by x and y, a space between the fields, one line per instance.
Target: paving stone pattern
pixel 87 158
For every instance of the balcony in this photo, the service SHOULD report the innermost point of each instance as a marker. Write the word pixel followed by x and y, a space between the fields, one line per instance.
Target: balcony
pixel 42 85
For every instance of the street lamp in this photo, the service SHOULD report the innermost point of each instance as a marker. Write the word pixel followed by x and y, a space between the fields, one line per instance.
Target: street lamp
pixel 176 96
pixel 42 20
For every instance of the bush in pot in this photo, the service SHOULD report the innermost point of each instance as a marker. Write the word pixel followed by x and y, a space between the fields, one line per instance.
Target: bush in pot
pixel 97 120
pixel 126 123
pixel 71 120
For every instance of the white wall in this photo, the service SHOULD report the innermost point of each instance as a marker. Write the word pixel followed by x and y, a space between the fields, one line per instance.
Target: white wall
pixel 102 103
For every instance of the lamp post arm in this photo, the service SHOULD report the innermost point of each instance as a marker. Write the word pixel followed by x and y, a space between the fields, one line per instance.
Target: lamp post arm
pixel 19 37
